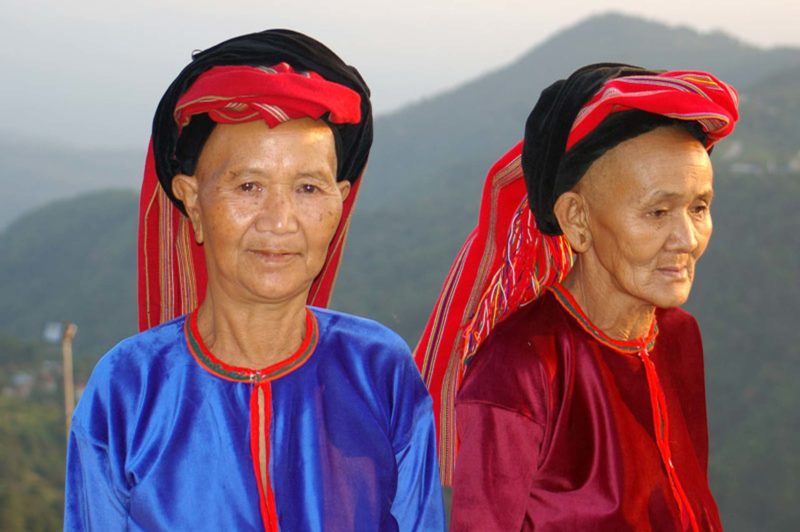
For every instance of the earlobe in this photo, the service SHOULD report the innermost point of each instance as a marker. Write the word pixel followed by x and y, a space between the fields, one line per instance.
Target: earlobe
pixel 570 210
pixel 185 189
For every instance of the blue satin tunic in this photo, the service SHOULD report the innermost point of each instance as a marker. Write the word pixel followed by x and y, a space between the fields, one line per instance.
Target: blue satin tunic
pixel 338 437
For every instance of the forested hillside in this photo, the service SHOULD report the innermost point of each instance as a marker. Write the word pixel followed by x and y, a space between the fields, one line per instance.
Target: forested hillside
pixel 32 436
pixel 72 260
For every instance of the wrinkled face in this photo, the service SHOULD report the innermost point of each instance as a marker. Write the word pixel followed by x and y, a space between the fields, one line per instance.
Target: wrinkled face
pixel 648 205
pixel 265 203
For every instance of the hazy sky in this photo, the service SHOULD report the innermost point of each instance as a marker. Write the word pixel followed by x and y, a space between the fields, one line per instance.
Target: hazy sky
pixel 91 72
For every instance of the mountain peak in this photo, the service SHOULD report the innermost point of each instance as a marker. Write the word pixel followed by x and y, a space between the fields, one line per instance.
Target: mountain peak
pixel 617 24
pixel 618 37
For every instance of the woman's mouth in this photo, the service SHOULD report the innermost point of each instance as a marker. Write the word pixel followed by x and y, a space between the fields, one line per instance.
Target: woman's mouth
pixel 678 273
pixel 274 256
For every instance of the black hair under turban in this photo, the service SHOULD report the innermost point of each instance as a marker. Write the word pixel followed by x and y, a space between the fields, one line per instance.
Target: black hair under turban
pixel 546 132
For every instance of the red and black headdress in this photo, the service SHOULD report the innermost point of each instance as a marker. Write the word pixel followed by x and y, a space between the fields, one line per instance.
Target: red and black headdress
pixel 275 76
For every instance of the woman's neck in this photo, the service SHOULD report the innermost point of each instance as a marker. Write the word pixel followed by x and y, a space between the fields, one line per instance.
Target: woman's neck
pixel 251 335
pixel 615 312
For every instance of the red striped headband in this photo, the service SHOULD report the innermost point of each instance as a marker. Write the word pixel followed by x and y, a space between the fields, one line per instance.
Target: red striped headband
pixel 684 95
pixel 234 94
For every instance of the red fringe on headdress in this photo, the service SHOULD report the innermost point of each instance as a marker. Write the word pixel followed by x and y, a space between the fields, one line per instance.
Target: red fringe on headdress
pixel 504 263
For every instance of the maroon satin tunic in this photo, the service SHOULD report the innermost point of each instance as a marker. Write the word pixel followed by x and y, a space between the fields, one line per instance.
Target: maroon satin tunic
pixel 557 429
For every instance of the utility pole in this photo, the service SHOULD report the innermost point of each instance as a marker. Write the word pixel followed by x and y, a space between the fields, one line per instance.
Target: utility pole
pixel 69 386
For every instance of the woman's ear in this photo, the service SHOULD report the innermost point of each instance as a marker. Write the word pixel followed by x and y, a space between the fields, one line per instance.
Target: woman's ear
pixel 571 211
pixel 185 188
pixel 344 188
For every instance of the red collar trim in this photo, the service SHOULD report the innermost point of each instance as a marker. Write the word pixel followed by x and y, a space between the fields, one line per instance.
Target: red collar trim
pixel 623 346
pixel 203 355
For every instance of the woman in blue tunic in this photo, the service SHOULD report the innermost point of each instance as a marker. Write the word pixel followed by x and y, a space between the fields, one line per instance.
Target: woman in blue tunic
pixel 243 406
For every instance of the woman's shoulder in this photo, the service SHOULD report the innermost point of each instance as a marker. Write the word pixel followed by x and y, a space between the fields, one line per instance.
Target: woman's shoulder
pixel 679 340
pixel 514 367
pixel 676 319
pixel 149 344
pixel 137 363
pixel 376 358
pixel 362 346
pixel 139 354
pixel 527 336
pixel 368 334
pixel 679 335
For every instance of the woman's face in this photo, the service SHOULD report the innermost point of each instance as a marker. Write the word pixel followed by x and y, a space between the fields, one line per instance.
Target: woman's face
pixel 265 203
pixel 648 213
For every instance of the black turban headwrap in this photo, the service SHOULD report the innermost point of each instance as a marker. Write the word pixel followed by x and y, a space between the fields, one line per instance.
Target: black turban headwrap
pixel 546 132
pixel 599 106
pixel 173 154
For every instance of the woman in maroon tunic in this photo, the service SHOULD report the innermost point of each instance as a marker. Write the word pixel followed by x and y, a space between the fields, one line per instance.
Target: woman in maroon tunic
pixel 583 403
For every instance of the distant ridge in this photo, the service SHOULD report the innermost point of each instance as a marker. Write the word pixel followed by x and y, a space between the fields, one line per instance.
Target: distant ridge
pixel 33 173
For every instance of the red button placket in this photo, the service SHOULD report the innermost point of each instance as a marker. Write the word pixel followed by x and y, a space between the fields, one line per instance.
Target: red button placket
pixel 658 405
pixel 260 418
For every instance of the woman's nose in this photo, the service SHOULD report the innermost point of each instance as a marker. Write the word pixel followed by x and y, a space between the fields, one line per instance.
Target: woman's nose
pixel 277 211
pixel 684 233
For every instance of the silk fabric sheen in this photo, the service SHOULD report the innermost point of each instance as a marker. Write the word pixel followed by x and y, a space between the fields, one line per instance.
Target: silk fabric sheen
pixel 557 433
pixel 160 443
